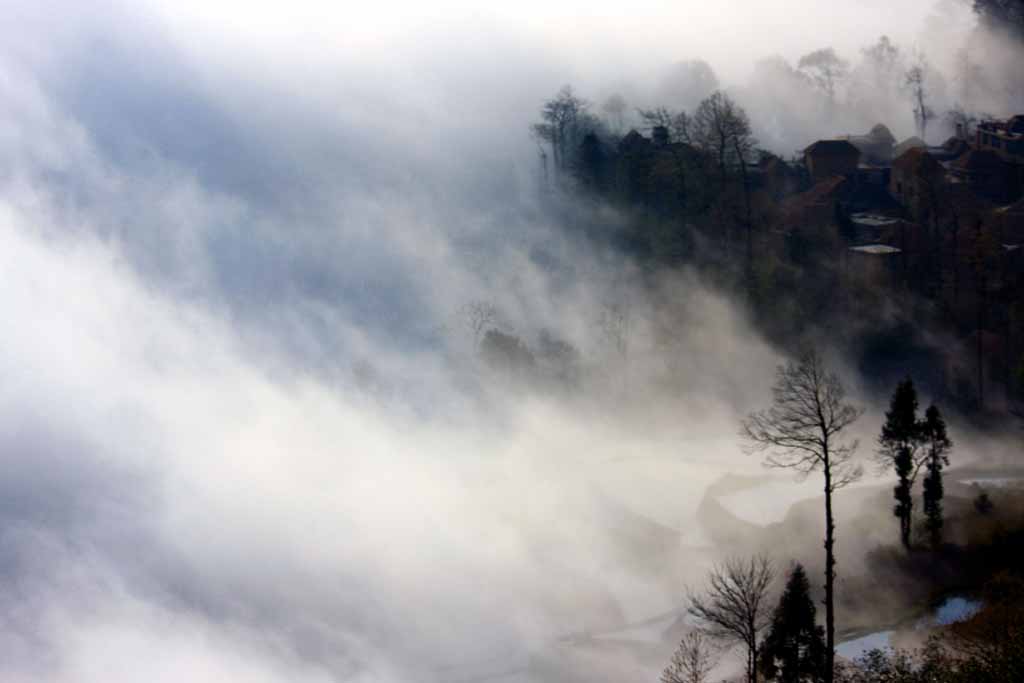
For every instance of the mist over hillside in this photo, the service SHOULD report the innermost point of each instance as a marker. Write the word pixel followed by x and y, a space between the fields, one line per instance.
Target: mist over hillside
pixel 249 425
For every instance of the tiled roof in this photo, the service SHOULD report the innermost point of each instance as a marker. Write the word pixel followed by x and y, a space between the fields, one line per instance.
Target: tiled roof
pixel 833 147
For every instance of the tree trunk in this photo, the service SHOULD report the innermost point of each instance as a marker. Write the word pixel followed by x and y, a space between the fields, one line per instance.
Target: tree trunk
pixel 752 661
pixel 748 221
pixel 981 360
pixel 830 575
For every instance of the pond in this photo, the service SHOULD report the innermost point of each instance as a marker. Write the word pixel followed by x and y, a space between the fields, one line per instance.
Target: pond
pixel 953 609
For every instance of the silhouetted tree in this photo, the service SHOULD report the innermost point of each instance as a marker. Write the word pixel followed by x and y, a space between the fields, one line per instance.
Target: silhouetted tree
pixel 916 84
pixel 826 70
pixel 803 430
pixel 615 107
pixel 734 606
pixel 883 57
pixel 557 358
pixel 984 263
pixel 899 446
pixel 794 649
pixel 613 324
pixel 693 660
pixel 722 130
pixel 961 119
pixel 561 126
pixel 878 77
pixel 478 317
pixel 507 353
pixel 677 124
pixel 688 82
pixel 938 445
pixel 983 504
pixel 672 133
pixel 590 166
pixel 903 493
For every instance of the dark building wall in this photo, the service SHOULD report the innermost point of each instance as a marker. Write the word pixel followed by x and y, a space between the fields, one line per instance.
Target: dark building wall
pixel 825 165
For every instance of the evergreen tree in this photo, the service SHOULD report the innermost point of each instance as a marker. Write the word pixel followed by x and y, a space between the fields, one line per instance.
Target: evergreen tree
pixel 794 650
pixel 902 492
pixel 900 446
pixel 939 444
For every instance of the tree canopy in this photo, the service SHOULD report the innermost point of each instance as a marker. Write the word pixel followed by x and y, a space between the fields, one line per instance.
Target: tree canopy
pixel 794 649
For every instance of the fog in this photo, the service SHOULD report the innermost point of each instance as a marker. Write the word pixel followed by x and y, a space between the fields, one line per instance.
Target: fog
pixel 245 431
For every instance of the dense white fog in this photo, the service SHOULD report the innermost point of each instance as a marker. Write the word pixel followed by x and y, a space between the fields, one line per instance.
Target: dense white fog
pixel 244 430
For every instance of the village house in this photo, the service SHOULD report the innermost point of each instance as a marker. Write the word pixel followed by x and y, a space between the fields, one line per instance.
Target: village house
pixel 817 206
pixel 985 173
pixel 916 181
pixel 875 147
pixel 827 158
pixel 907 145
pixel 1010 223
pixel 776 177
pixel 1005 139
pixel 951 149
pixel 652 171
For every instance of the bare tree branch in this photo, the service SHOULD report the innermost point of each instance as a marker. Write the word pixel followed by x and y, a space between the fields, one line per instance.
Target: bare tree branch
pixel 734 606
pixel 693 660
pixel 802 431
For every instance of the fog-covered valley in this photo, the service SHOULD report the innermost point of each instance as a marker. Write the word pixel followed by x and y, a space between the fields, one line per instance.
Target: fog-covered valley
pixel 249 425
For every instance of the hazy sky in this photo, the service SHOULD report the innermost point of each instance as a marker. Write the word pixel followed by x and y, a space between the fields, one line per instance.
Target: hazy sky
pixel 729 34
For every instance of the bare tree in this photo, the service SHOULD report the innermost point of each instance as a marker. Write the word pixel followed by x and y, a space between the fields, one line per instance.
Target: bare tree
pixel 677 124
pixel 563 117
pixel 826 70
pixel 693 660
pixel 882 57
pixel 478 317
pixel 879 76
pixel 916 78
pixel 803 430
pixel 688 82
pixel 613 322
pixel 722 130
pixel 615 108
pixel 735 606
pixel 961 120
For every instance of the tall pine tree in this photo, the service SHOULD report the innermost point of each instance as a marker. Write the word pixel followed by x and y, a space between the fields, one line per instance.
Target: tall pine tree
pixel 938 446
pixel 900 447
pixel 794 650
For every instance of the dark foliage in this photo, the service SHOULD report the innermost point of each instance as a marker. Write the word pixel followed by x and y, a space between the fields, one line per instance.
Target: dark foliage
pixel 983 504
pixel 506 352
pixel 899 443
pixel 938 445
pixel 794 650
